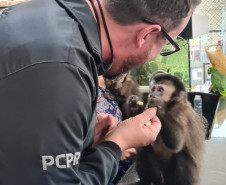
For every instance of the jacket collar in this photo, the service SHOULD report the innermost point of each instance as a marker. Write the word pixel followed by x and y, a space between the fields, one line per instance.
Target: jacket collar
pixel 79 10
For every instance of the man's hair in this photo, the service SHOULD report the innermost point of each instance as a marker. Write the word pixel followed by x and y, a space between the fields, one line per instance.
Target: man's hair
pixel 168 13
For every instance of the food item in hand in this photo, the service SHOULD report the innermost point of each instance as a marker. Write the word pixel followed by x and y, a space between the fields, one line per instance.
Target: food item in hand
pixel 140 103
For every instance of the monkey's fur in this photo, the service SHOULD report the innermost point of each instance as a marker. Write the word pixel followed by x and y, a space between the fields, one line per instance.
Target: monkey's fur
pixel 126 93
pixel 175 158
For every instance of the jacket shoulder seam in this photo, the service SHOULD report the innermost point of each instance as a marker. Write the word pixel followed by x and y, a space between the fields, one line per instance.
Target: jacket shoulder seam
pixel 37 63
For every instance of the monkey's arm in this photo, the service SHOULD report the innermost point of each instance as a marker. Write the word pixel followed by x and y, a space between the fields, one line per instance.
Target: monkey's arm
pixel 174 127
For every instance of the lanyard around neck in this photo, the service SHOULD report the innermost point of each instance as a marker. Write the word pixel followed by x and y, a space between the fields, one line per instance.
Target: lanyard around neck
pixel 105 25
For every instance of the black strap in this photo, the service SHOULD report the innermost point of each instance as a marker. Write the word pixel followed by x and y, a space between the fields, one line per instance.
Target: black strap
pixel 106 29
pixel 95 12
pixel 105 66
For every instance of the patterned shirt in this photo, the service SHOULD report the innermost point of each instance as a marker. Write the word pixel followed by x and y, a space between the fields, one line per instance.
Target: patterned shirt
pixel 108 106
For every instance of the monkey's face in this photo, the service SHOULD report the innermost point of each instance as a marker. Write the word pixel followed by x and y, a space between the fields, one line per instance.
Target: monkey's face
pixel 132 104
pixel 115 86
pixel 162 91
pixel 130 108
pixel 160 94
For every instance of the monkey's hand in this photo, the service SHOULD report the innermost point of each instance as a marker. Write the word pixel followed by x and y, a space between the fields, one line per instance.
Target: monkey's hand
pixel 134 132
pixel 158 103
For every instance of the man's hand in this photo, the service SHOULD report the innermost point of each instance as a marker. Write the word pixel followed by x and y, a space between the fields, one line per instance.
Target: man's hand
pixel 104 124
pixel 129 154
pixel 136 132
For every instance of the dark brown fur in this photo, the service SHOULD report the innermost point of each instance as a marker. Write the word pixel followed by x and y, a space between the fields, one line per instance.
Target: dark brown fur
pixel 176 156
pixel 126 93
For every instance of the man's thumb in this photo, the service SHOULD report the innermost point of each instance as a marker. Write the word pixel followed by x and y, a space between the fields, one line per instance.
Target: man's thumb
pixel 147 114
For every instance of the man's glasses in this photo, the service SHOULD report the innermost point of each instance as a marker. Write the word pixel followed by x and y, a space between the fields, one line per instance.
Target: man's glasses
pixel 168 50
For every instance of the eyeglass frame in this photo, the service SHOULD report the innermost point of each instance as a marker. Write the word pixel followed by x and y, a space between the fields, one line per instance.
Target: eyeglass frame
pixel 174 44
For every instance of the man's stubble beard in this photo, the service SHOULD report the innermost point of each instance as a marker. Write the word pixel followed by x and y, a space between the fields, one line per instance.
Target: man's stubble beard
pixel 130 63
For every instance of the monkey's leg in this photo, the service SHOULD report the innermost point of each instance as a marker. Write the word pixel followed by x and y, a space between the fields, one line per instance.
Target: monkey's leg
pixel 148 167
pixel 181 171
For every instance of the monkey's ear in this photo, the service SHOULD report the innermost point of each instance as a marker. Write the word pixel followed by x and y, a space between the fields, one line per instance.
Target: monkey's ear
pixel 180 97
pixel 125 77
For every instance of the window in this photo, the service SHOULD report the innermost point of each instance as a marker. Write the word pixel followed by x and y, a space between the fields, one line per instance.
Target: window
pixel 176 64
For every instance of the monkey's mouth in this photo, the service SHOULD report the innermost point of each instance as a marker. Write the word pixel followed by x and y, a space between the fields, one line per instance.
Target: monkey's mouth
pixel 132 100
pixel 154 103
pixel 133 103
pixel 158 106
pixel 134 107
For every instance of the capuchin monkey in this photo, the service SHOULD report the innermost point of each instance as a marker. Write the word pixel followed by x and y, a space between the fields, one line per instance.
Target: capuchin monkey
pixel 125 91
pixel 175 158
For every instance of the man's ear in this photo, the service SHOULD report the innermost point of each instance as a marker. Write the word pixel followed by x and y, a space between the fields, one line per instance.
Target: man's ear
pixel 144 34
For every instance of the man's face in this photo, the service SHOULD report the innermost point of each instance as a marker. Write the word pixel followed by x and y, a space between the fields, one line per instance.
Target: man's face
pixel 126 58
pixel 132 59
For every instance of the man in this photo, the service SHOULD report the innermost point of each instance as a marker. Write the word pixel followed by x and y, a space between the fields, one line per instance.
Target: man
pixel 51 54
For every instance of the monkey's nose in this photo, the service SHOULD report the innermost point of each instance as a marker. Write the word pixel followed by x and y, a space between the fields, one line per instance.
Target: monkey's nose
pixel 152 96
pixel 133 98
pixel 133 101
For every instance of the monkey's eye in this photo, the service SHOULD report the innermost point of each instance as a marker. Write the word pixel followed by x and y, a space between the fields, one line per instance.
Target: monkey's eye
pixel 160 89
pixel 153 89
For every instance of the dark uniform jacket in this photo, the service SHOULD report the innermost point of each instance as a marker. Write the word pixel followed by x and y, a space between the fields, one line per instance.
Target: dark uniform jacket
pixel 50 57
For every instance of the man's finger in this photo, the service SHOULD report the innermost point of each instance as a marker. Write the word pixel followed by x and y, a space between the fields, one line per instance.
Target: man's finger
pixel 147 115
pixel 112 122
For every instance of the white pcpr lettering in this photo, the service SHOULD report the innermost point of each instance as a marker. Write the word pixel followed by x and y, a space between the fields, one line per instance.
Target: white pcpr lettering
pixel 69 159
pixel 61 161
pixel 58 161
pixel 47 161
pixel 76 158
